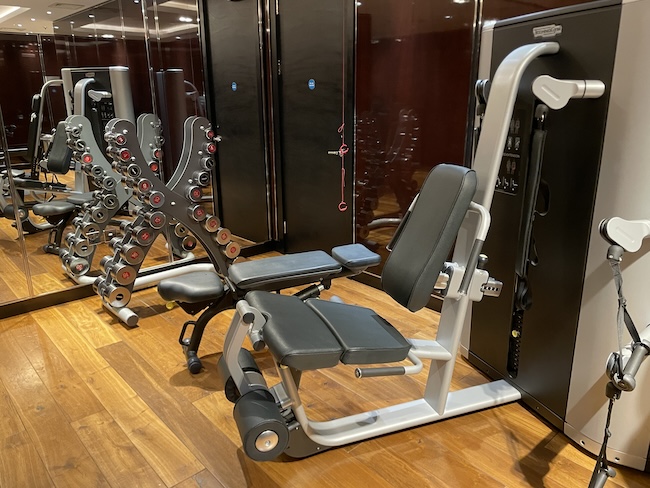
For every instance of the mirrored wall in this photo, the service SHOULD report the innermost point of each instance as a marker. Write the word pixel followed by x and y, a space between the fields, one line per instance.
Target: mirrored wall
pixel 158 42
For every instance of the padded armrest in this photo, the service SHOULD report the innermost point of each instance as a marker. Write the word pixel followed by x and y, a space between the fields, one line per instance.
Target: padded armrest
pixel 288 268
pixel 356 257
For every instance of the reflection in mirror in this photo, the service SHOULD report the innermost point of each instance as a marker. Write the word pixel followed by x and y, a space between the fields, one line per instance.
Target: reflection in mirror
pixel 15 281
pixel 413 66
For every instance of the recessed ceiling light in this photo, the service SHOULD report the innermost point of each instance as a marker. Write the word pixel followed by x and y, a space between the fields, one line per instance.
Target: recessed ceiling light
pixel 91 16
pixel 19 25
pixel 72 21
pixel 448 17
pixel 49 12
pixel 108 36
pixel 461 1
pixel 185 19
pixel 56 26
pixel 178 37
pixel 33 19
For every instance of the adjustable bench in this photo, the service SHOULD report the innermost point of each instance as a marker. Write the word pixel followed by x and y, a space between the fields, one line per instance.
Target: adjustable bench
pixel 205 290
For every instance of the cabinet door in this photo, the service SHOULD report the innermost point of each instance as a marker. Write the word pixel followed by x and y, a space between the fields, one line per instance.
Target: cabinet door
pixel 314 97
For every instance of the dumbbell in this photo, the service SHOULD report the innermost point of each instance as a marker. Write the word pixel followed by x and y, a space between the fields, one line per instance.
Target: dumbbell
pixel 93 170
pixel 128 251
pixel 209 148
pixel 223 236
pixel 75 264
pixel 123 154
pixel 74 130
pixel 212 223
pixel 188 243
pixel 155 167
pixel 197 212
pixel 79 145
pixel 82 247
pixel 133 170
pixel 123 273
pixel 116 296
pixel 110 201
pixel 142 185
pixel 201 178
pixel 90 230
pixel 106 182
pixel 143 235
pixel 99 214
pixel 207 163
pixel 154 199
pixel 157 153
pixel 119 139
pixel 231 250
pixel 180 230
pixel 194 193
pixel 155 219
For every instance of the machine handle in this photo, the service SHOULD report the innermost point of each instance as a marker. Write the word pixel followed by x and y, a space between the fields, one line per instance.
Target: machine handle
pixel 557 93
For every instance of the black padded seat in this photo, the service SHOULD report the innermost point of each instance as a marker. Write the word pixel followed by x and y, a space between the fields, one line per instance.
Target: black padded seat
pixel 196 287
pixel 81 198
pixel 355 256
pixel 290 268
pixel 55 207
pixel 294 333
pixel 366 337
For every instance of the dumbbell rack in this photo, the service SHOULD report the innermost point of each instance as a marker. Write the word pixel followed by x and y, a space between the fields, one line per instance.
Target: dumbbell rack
pixel 180 200
pixel 95 215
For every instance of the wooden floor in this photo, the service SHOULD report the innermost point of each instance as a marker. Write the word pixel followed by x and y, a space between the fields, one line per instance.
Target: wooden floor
pixel 86 402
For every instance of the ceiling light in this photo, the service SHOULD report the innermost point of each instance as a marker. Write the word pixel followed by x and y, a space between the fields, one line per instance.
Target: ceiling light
pixel 185 19
pixel 33 19
pixel 91 16
pixel 178 37
pixel 461 1
pixel 49 12
pixel 19 25
pixel 448 17
pixel 56 26
pixel 108 36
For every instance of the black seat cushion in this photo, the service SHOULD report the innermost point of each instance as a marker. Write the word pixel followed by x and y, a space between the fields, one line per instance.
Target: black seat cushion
pixel 355 256
pixel 366 337
pixel 55 207
pixel 196 287
pixel 283 271
pixel 81 198
pixel 294 333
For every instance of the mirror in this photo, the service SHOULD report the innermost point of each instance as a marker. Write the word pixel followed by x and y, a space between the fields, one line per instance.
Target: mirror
pixel 146 37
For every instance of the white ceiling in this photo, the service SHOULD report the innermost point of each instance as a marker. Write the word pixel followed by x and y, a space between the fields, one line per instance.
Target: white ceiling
pixel 32 17
pixel 37 16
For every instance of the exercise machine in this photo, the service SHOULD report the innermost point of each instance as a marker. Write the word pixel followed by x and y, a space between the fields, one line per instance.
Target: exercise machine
pixel 623 364
pixel 568 164
pixel 319 334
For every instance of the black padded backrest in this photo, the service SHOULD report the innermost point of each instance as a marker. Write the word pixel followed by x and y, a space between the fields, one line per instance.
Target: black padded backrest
pixel 420 252
pixel 59 156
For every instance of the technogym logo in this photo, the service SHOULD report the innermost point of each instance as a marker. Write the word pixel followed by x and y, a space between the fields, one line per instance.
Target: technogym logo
pixel 546 31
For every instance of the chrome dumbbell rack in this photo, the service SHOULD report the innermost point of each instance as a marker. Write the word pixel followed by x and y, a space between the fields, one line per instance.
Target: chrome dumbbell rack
pixel 179 204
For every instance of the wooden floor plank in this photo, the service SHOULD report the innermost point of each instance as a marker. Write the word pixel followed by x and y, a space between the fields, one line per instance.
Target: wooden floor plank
pixel 47 426
pixel 20 464
pixel 167 455
pixel 62 381
pixel 114 453
pixel 204 479
pixel 181 416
